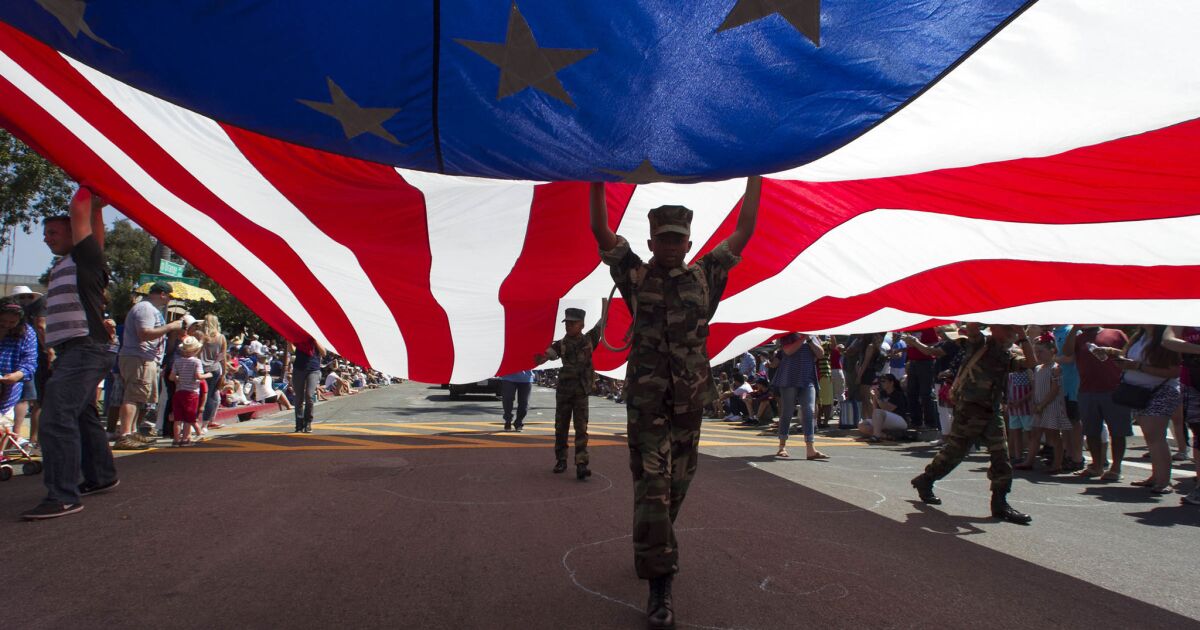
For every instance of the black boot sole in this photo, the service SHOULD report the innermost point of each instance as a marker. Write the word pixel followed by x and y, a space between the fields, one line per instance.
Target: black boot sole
pixel 927 497
pixel 1011 519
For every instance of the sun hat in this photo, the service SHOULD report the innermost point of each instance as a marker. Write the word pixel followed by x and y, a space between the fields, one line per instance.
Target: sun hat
pixel 20 290
pixel 190 346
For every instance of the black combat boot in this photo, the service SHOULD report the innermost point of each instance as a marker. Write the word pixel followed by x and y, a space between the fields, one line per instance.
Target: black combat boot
pixel 582 472
pixel 924 485
pixel 659 615
pixel 560 466
pixel 1005 512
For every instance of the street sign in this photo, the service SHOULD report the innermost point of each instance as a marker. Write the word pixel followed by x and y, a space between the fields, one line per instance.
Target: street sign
pixel 155 277
pixel 168 268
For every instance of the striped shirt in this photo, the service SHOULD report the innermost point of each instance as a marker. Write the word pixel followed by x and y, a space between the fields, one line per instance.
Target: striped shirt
pixel 75 298
pixel 797 369
pixel 187 370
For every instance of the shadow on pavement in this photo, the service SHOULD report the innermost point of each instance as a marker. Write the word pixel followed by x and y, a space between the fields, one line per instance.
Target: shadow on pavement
pixel 1123 493
pixel 488 538
pixel 1169 515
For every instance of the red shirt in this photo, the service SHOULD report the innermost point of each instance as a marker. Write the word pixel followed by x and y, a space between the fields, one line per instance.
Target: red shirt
pixel 1096 376
pixel 927 336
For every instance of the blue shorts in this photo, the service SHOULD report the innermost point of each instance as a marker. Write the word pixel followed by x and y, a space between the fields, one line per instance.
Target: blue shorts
pixel 29 393
pixel 1020 423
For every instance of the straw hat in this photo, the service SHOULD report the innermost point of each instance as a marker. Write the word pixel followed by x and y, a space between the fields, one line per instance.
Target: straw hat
pixel 190 346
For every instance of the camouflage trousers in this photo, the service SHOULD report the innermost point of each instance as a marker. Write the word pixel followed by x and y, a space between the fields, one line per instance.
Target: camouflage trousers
pixel 662 456
pixel 975 421
pixel 567 405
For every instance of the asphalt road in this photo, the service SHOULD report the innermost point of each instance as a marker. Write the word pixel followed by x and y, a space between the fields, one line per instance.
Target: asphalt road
pixel 406 509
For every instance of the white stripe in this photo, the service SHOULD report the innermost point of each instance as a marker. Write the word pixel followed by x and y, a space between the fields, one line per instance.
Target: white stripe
pixel 186 217
pixel 710 202
pixel 476 232
pixel 838 264
pixel 206 151
pixel 1063 75
pixel 743 342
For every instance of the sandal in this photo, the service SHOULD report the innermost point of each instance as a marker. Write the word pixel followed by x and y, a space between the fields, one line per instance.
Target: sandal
pixel 818 456
pixel 1110 476
pixel 782 453
pixel 1088 473
pixel 1167 489
pixel 1145 483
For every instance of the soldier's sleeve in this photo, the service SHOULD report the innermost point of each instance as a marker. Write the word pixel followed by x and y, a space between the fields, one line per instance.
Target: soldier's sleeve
pixel 621 263
pixel 593 335
pixel 716 265
pixel 554 351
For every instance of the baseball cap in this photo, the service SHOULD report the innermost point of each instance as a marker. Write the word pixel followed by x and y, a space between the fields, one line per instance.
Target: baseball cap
pixel 676 219
pixel 160 287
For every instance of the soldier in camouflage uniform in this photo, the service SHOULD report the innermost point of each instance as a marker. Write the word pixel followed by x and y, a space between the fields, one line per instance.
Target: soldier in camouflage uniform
pixel 976 393
pixel 668 382
pixel 574 386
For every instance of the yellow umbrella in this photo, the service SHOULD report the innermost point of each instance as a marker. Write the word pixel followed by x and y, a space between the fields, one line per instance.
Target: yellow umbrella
pixel 184 291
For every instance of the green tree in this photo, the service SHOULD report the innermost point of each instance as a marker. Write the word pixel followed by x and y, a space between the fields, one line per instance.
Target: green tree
pixel 31 188
pixel 127 248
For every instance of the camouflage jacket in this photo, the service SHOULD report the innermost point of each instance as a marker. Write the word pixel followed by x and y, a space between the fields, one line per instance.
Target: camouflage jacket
pixel 668 357
pixel 986 381
pixel 576 355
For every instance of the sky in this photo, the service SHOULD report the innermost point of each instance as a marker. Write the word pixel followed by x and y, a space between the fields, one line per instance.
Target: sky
pixel 32 258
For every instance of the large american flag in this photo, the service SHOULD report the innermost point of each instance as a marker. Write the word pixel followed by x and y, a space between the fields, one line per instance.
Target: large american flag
pixel 373 174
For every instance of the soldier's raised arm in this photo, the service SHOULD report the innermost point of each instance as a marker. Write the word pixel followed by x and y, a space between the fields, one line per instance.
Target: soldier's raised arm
pixel 605 237
pixel 746 218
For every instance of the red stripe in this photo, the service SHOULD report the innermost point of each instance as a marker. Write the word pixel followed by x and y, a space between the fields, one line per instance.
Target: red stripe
pixel 981 286
pixel 559 251
pixel 1152 175
pixel 82 164
pixel 393 249
pixel 1147 176
pixel 56 74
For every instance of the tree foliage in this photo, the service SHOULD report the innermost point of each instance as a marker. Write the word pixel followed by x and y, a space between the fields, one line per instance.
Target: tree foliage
pixel 31 188
pixel 127 248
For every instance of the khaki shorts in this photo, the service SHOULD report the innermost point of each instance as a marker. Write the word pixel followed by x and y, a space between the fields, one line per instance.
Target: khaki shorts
pixel 140 379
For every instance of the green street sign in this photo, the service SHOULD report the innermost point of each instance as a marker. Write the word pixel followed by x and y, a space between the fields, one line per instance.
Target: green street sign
pixel 155 277
pixel 168 268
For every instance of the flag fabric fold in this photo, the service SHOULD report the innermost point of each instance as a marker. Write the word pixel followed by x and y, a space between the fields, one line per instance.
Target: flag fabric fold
pixel 1006 162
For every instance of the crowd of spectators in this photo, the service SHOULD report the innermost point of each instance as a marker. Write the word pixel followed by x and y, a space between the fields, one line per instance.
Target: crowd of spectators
pixel 170 366
pixel 898 386
pixel 882 386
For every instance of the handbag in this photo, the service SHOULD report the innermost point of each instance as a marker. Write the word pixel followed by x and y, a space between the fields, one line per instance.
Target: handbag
pixel 1135 396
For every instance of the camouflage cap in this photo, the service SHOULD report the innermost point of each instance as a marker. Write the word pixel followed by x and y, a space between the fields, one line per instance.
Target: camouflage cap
pixel 670 219
pixel 575 315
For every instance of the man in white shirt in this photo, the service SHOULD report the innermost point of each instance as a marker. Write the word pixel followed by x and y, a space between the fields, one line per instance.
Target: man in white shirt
pixel 256 347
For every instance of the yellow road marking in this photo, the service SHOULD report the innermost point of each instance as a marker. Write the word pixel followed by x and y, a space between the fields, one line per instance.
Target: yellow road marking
pixel 381 446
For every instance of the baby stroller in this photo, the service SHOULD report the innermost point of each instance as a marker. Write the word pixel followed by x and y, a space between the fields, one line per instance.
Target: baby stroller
pixel 12 453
